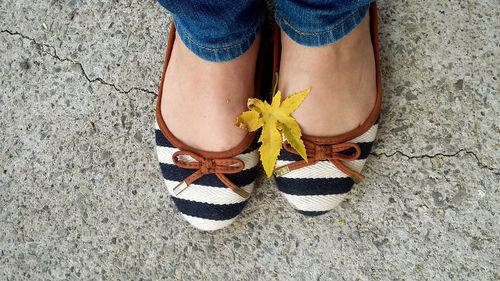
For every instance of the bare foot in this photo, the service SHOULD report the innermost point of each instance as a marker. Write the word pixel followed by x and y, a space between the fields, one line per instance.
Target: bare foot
pixel 342 77
pixel 202 99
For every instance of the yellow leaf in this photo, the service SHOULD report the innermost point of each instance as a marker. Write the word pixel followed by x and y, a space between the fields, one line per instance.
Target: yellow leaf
pixel 249 120
pixel 271 145
pixel 291 132
pixel 275 104
pixel 292 102
pixel 258 105
pixel 276 124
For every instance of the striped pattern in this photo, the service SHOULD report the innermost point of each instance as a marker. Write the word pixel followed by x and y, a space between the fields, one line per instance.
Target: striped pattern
pixel 316 189
pixel 207 204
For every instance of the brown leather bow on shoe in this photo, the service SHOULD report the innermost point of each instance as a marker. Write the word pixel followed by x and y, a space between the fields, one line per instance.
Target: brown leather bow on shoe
pixel 329 152
pixel 204 166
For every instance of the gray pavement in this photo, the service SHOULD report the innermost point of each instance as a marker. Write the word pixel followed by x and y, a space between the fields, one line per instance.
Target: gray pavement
pixel 81 195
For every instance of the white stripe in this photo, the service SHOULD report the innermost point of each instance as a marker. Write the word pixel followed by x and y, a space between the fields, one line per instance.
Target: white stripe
pixel 251 159
pixel 356 165
pixel 368 136
pixel 207 225
pixel 208 194
pixel 165 154
pixel 321 170
pixel 315 203
pixel 157 127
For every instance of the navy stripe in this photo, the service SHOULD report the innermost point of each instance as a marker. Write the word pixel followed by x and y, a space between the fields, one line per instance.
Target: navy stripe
pixel 208 211
pixel 288 156
pixel 161 140
pixel 312 213
pixel 310 186
pixel 244 177
pixel 365 147
pixel 175 173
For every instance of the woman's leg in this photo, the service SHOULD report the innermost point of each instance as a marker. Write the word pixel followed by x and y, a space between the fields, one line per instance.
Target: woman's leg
pixel 211 71
pixel 327 45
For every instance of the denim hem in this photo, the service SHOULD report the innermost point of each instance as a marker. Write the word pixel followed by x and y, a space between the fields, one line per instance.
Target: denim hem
pixel 330 34
pixel 229 51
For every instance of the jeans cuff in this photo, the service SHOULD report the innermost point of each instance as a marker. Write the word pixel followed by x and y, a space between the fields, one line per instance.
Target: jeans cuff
pixel 228 51
pixel 330 34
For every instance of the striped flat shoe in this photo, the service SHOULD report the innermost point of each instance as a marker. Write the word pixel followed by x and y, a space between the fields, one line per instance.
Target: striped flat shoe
pixel 210 189
pixel 334 163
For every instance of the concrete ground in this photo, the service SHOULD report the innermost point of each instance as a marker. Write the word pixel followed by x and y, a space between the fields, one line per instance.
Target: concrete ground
pixel 81 195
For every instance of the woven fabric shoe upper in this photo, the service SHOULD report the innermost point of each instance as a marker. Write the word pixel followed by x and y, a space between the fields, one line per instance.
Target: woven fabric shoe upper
pixel 318 188
pixel 207 203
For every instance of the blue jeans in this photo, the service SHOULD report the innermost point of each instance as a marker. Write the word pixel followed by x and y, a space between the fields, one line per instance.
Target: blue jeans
pixel 221 30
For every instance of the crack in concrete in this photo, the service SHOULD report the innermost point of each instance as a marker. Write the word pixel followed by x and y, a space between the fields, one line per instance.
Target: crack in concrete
pixel 439 154
pixel 53 53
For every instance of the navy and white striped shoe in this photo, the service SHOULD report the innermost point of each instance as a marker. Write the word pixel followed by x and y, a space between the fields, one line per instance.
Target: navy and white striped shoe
pixel 210 192
pixel 334 163
pixel 321 184
pixel 210 189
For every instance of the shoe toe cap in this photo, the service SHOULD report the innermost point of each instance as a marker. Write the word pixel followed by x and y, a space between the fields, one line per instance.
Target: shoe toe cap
pixel 208 216
pixel 207 224
pixel 315 205
pixel 314 196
